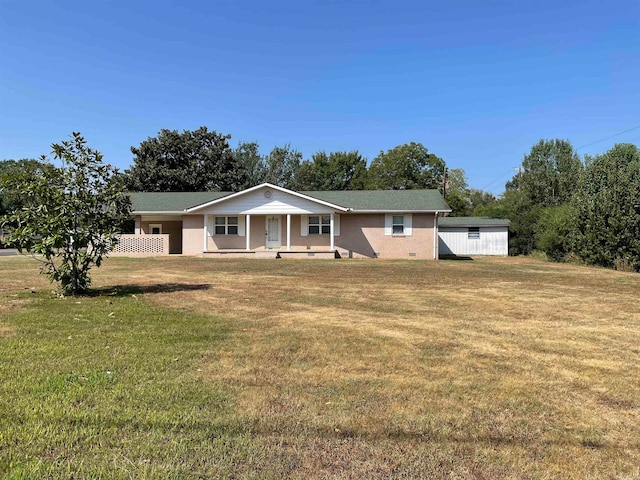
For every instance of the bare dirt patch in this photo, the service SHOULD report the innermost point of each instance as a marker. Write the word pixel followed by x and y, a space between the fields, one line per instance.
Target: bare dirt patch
pixel 6 330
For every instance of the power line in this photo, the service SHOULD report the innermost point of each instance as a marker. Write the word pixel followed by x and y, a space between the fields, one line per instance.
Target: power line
pixel 580 147
pixel 607 138
pixel 502 176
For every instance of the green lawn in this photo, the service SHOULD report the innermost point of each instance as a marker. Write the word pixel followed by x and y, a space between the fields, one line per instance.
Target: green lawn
pixel 218 368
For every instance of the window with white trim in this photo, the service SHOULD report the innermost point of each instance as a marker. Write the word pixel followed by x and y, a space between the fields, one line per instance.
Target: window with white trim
pixel 226 226
pixel 319 224
pixel 155 228
pixel 473 233
pixel 397 225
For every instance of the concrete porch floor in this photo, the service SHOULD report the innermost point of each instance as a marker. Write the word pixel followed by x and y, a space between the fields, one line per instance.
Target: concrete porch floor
pixel 272 253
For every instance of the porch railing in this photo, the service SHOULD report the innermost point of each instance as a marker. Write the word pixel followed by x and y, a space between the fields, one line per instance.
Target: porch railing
pixel 130 245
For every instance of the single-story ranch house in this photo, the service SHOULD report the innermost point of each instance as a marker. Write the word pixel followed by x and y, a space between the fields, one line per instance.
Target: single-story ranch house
pixel 267 220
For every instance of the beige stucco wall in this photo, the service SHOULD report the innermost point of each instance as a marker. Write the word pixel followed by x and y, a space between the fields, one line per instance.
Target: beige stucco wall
pixel 361 235
pixel 221 242
pixel 192 235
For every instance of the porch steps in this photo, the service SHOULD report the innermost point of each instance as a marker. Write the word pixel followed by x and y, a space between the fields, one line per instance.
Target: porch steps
pixel 307 254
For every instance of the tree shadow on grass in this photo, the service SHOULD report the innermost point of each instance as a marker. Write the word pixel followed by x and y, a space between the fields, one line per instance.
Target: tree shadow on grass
pixel 128 290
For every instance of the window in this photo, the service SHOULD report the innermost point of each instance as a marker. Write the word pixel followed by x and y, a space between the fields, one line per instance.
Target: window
pixel 319 224
pixel 155 228
pixel 226 226
pixel 397 227
pixel 474 233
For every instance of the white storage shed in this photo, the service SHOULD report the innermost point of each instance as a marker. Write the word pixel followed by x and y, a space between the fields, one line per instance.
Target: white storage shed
pixel 470 236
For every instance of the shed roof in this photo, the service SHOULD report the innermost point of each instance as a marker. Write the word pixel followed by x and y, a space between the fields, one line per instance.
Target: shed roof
pixel 358 201
pixel 473 222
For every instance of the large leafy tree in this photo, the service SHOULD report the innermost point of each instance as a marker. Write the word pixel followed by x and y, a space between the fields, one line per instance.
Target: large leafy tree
pixel 480 199
pixel 555 231
pixel 407 166
pixel 457 192
pixel 71 215
pixel 608 208
pixel 333 171
pixel 282 164
pixel 198 160
pixel 501 207
pixel 10 199
pixel 250 164
pixel 548 179
pixel 550 173
pixel 464 200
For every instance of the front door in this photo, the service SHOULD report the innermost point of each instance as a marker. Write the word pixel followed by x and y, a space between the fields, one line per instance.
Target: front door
pixel 273 232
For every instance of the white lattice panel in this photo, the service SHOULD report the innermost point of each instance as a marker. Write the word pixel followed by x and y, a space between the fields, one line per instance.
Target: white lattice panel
pixel 142 245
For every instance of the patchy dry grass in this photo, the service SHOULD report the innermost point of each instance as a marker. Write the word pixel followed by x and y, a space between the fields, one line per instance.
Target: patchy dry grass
pixel 492 368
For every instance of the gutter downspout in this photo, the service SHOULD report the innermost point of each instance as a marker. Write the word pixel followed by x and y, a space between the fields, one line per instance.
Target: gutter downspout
pixel 435 236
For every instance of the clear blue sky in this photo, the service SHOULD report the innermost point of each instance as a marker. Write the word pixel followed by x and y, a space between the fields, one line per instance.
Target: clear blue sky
pixel 478 83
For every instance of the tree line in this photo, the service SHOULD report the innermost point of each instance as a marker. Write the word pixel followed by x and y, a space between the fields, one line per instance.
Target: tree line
pixel 203 160
pixel 575 209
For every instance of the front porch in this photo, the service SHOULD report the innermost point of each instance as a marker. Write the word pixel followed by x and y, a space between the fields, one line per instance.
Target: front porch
pixel 290 235
pixel 270 253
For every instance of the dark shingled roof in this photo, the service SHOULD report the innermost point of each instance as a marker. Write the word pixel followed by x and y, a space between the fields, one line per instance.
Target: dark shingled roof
pixel 171 201
pixel 384 200
pixel 360 200
pixel 473 222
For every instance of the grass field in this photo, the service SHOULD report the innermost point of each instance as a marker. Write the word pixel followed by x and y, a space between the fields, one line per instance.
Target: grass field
pixel 205 368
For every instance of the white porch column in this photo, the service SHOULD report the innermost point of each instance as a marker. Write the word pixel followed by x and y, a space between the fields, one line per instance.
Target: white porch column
pixel 206 229
pixel 331 232
pixel 247 231
pixel 288 231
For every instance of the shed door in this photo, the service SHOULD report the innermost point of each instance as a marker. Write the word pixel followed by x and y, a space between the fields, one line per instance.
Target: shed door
pixel 273 232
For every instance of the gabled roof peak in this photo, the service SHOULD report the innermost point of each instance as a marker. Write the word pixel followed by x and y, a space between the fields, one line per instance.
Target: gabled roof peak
pixel 268 186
